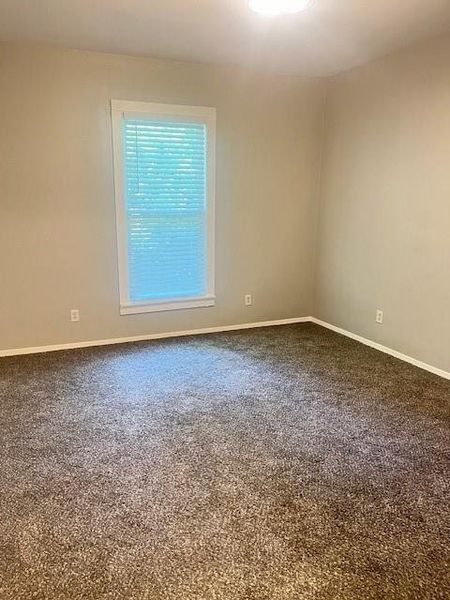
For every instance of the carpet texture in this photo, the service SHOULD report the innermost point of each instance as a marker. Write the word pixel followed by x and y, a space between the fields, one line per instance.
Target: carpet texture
pixel 274 464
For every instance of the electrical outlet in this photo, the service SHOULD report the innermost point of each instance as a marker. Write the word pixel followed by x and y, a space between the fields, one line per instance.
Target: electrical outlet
pixel 248 299
pixel 75 315
pixel 379 317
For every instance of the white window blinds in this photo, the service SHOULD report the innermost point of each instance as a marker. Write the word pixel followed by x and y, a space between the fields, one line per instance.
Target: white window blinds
pixel 165 208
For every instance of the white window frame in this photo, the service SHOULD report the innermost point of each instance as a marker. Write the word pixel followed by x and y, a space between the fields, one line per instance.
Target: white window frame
pixel 121 109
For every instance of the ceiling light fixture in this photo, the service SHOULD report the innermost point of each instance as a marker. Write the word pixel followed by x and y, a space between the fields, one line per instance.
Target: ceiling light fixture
pixel 271 8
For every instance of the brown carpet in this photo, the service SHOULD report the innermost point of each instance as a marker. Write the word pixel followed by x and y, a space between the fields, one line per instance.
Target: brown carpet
pixel 273 464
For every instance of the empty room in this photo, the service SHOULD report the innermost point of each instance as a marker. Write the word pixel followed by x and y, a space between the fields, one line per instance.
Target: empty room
pixel 225 300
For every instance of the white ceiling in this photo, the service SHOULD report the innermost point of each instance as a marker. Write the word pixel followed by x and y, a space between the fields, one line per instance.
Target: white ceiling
pixel 330 36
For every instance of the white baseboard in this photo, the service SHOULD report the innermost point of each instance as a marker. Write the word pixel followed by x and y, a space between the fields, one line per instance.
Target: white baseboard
pixel 150 336
pixel 385 349
pixel 224 328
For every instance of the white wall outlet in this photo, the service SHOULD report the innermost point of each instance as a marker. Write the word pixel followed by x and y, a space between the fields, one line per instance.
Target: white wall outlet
pixel 379 317
pixel 74 315
pixel 248 299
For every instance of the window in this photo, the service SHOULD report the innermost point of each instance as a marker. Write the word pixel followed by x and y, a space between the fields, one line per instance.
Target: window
pixel 164 183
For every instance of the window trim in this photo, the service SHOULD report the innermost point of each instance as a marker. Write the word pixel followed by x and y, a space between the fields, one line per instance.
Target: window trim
pixel 197 114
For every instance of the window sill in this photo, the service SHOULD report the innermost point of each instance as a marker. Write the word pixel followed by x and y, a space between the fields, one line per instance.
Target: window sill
pixel 182 304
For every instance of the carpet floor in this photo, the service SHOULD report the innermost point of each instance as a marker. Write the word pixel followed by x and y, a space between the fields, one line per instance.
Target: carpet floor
pixel 273 464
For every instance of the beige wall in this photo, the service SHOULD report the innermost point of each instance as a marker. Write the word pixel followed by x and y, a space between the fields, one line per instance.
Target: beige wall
pixel 57 228
pixel 384 234
pixel 383 239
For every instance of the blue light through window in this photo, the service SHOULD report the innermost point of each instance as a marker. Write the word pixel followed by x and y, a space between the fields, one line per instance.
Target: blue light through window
pixel 166 212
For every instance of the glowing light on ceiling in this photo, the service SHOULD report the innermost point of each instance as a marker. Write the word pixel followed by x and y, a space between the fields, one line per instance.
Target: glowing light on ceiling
pixel 278 7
